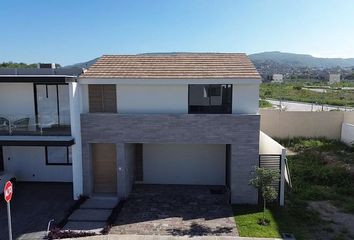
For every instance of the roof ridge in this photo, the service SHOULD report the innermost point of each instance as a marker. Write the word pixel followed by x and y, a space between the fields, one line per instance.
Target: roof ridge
pixel 177 53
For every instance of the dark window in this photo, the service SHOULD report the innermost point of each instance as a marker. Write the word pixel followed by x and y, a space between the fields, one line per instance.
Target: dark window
pixel 58 155
pixel 210 98
pixel 102 98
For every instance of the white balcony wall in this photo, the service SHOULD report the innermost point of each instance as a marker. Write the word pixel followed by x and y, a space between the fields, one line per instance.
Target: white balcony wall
pixel 152 98
pixel 245 99
pixel 347 134
pixel 28 164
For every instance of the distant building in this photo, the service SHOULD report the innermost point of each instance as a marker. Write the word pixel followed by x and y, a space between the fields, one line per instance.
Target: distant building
pixel 333 78
pixel 277 78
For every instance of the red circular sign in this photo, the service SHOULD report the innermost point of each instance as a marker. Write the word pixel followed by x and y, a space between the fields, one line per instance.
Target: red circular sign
pixel 8 191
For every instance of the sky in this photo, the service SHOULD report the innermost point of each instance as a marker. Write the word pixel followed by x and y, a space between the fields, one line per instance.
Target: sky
pixel 72 31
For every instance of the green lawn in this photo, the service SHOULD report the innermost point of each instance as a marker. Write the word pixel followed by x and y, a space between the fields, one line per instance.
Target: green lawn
pixel 281 221
pixel 320 171
pixel 294 92
pixel 246 217
pixel 264 104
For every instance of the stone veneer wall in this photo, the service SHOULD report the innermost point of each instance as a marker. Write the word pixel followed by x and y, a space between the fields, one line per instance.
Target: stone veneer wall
pixel 241 131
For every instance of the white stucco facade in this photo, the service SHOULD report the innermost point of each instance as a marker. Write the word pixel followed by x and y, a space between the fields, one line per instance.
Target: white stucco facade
pixel 152 98
pixel 201 164
pixel 29 164
pixel 76 106
pixel 245 99
pixel 171 96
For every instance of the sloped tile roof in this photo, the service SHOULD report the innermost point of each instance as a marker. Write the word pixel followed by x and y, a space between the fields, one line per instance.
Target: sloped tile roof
pixel 174 66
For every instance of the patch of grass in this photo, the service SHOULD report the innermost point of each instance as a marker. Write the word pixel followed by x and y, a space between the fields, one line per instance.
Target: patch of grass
pixel 282 220
pixel 247 217
pixel 323 144
pixel 321 171
pixel 264 104
pixel 294 91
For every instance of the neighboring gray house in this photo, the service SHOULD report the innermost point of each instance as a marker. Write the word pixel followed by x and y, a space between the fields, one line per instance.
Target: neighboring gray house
pixel 35 126
pixel 277 78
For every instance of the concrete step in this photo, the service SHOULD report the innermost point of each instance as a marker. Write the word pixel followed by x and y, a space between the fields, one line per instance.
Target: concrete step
pixel 90 215
pixel 96 227
pixel 99 203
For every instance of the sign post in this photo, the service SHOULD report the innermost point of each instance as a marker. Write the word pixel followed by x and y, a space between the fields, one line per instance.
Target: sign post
pixel 8 190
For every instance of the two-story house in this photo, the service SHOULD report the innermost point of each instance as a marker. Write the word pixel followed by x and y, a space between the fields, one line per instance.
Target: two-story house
pixel 35 128
pixel 189 118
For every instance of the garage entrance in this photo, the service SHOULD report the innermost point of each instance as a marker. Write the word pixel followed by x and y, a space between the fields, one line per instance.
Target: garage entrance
pixel 104 168
pixel 1 160
pixel 190 164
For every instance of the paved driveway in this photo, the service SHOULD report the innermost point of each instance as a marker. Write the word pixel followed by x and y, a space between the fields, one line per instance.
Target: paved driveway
pixel 33 205
pixel 175 210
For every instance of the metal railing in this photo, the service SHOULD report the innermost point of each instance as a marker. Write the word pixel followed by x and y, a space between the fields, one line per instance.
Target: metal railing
pixel 272 161
pixel 287 172
pixel 26 124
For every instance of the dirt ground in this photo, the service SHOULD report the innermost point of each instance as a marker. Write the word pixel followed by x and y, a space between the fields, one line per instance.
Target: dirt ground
pixel 339 225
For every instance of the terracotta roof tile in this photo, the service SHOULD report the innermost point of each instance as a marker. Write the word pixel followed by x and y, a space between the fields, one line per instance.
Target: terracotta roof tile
pixel 173 66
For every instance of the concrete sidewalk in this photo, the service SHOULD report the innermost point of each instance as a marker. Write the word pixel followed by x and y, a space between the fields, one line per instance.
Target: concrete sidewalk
pixel 158 237
pixel 92 215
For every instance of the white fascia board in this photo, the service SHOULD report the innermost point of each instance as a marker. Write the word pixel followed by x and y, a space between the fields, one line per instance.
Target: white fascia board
pixel 145 81
pixel 33 75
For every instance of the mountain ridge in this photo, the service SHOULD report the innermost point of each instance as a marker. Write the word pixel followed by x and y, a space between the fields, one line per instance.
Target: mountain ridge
pixel 300 60
pixel 292 59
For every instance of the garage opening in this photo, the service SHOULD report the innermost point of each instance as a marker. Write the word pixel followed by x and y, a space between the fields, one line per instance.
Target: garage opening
pixel 188 164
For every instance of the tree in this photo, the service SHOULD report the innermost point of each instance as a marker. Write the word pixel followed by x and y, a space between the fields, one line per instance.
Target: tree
pixel 262 180
pixel 17 65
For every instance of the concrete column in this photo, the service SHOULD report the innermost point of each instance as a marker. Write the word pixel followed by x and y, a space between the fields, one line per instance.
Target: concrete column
pixel 121 171
pixel 75 110
pixel 244 156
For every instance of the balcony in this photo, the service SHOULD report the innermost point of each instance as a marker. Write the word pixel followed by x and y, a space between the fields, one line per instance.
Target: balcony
pixel 31 125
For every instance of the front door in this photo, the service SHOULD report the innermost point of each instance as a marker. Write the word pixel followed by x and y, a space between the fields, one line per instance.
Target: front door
pixel 104 168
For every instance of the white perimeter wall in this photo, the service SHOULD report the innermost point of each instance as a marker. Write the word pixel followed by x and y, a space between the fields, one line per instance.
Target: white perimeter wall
pixel 347 135
pixel 16 100
pixel 28 164
pixel 184 164
pixel 152 98
pixel 245 99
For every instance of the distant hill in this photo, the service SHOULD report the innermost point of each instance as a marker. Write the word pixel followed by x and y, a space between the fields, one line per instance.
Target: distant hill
pixel 300 60
pixel 83 64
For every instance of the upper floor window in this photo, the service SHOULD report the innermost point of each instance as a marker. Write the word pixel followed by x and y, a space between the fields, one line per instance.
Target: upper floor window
pixel 102 98
pixel 210 98
pixel 52 110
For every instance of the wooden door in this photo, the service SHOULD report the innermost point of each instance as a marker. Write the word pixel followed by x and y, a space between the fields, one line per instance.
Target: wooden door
pixel 104 168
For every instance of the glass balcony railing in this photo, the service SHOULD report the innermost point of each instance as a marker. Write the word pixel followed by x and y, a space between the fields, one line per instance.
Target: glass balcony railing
pixel 46 125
